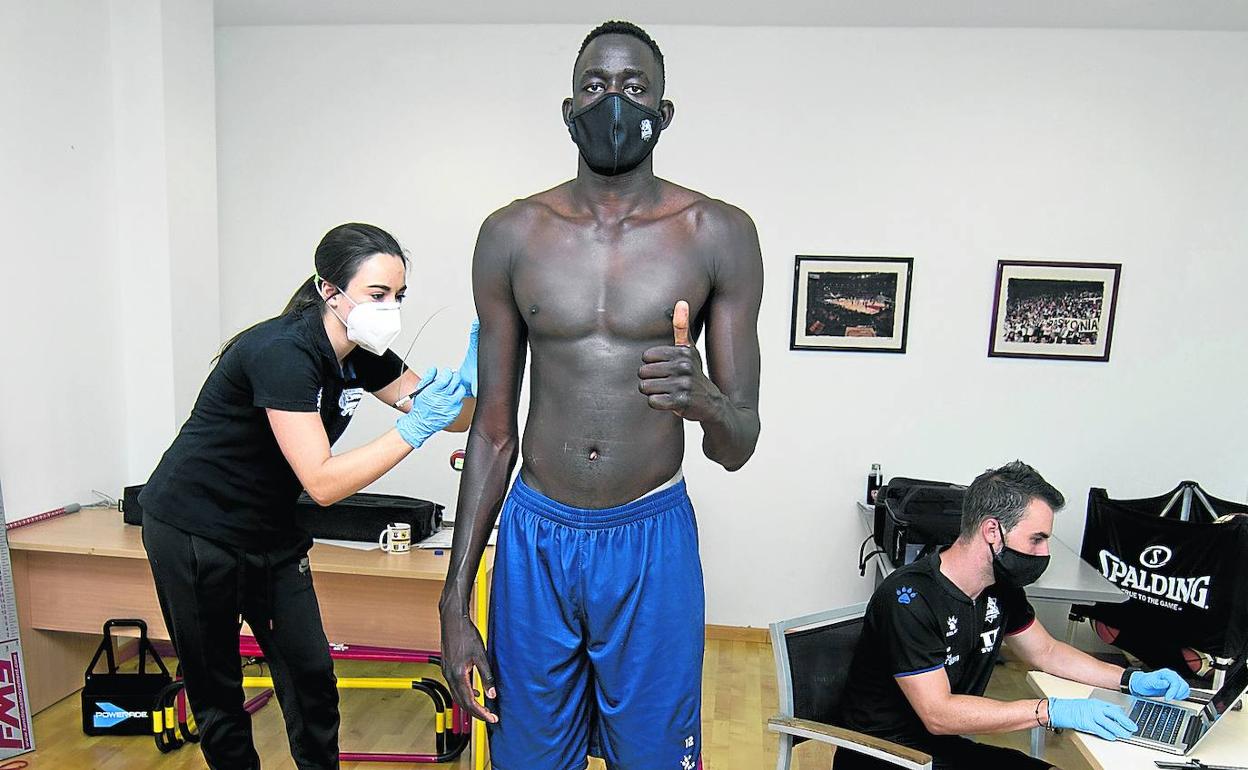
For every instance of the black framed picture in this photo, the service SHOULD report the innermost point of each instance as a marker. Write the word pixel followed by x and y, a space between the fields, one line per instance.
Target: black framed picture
pixel 1056 310
pixel 851 303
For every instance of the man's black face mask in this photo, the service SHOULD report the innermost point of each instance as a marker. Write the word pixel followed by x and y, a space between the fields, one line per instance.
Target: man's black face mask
pixel 1015 568
pixel 614 133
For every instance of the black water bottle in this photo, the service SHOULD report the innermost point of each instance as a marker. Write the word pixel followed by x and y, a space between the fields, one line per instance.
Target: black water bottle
pixel 874 481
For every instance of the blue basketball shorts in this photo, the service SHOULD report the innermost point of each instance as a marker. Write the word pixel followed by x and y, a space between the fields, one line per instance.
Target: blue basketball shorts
pixel 597 628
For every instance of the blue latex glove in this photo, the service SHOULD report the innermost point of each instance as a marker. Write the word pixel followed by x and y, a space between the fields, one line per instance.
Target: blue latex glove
pixel 1163 681
pixel 1104 720
pixel 468 369
pixel 435 406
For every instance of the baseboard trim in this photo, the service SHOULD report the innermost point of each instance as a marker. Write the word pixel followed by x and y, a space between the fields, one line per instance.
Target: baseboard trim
pixel 738 634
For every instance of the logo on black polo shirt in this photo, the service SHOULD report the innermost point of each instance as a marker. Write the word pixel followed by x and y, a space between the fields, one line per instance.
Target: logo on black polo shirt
pixel 953 625
pixel 950 658
pixel 993 612
pixel 906 594
pixel 349 400
pixel 989 638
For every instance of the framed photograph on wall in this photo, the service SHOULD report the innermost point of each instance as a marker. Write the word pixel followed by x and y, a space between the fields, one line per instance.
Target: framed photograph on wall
pixel 1059 310
pixel 851 303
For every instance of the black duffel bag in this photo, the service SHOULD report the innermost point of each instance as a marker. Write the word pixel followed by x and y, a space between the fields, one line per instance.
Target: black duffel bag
pixel 361 516
pixel 914 516
pixel 364 515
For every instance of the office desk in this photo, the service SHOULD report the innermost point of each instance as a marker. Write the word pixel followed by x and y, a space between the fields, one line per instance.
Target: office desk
pixel 1226 745
pixel 1069 579
pixel 72 573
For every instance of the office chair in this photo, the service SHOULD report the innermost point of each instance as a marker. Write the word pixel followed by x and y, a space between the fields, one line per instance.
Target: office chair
pixel 812 664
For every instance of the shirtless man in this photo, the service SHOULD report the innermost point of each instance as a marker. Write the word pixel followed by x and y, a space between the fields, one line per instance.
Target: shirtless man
pixel 597 622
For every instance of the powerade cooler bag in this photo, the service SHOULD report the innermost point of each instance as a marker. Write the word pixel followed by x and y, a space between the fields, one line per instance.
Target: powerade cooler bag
pixel 361 516
pixel 1187 581
pixel 116 703
pixel 916 516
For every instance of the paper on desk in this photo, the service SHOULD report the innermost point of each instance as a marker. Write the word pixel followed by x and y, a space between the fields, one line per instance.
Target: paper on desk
pixel 442 538
pixel 358 545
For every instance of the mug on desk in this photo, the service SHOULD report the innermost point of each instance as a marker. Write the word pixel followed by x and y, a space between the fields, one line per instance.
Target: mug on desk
pixel 396 538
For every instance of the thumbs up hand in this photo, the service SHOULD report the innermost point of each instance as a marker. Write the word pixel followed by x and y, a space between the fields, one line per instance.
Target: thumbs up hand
pixel 671 376
pixel 680 324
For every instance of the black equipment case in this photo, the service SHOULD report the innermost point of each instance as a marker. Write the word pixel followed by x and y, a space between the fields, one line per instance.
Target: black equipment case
pixel 131 511
pixel 913 516
pixel 116 703
pixel 361 516
pixel 364 515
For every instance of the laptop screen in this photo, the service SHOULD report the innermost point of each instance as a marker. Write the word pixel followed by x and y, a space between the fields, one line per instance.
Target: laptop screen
pixel 1234 686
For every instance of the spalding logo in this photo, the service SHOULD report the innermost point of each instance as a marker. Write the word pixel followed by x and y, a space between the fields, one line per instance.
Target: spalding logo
pixel 1156 556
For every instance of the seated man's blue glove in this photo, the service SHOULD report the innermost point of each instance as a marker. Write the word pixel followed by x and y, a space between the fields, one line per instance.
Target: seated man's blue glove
pixel 1163 681
pixel 1087 715
pixel 434 406
pixel 468 369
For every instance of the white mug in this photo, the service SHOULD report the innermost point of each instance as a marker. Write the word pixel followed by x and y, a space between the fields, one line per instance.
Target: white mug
pixel 396 538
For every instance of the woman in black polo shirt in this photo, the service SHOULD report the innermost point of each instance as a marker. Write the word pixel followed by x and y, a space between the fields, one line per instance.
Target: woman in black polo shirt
pixel 219 510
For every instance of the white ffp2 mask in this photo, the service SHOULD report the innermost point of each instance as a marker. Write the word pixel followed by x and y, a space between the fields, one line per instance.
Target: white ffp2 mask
pixel 372 325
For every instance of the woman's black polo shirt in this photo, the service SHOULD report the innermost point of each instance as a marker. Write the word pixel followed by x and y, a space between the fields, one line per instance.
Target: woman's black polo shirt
pixel 919 621
pixel 224 477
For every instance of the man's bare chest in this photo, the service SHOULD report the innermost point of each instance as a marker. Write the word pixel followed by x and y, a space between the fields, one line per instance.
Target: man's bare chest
pixel 623 289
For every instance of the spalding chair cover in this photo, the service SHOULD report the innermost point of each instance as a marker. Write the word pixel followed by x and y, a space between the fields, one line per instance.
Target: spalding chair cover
pixel 1187 580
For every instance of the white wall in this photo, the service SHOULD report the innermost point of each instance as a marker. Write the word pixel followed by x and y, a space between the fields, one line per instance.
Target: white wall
pixel 190 124
pixel 164 113
pixel 958 147
pixel 94 210
pixel 61 394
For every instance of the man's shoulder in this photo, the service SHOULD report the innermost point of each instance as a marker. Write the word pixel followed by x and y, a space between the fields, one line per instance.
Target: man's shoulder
pixel 917 573
pixel 711 212
pixel 523 215
pixel 512 217
pixel 910 585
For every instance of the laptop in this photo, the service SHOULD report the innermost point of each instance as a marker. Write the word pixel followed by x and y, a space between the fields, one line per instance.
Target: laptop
pixel 1177 726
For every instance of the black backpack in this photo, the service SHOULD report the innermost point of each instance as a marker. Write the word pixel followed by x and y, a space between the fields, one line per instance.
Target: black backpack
pixel 915 516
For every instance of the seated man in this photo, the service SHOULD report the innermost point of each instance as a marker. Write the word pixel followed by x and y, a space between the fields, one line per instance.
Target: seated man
pixel 933 632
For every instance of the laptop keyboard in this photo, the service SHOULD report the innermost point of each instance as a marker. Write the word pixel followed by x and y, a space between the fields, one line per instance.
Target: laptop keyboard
pixel 1157 721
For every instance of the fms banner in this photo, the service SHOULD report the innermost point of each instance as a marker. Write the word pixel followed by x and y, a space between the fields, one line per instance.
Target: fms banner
pixel 16 736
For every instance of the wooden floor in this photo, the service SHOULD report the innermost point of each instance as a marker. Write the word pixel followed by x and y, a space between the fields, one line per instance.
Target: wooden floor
pixel 739 693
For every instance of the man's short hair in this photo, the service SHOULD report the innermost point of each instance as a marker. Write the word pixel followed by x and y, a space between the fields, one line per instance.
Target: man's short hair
pixel 624 28
pixel 1004 494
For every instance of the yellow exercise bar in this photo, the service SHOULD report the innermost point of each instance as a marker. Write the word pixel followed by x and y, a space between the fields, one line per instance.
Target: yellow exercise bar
pixel 348 682
pixel 478 727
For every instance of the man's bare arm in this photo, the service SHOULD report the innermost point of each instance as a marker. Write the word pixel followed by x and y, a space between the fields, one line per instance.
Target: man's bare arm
pixel 732 351
pixel 944 713
pixel 672 376
pixel 1039 649
pixel 493 446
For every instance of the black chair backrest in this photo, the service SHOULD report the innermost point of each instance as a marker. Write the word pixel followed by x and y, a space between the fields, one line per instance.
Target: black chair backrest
pixel 819 660
pixel 1187 580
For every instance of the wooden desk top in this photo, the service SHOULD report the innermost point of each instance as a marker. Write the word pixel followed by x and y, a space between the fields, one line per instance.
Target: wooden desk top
pixel 1226 745
pixel 101 532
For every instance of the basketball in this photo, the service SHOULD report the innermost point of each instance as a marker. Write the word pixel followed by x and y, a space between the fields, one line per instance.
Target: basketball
pixel 1199 663
pixel 1106 633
